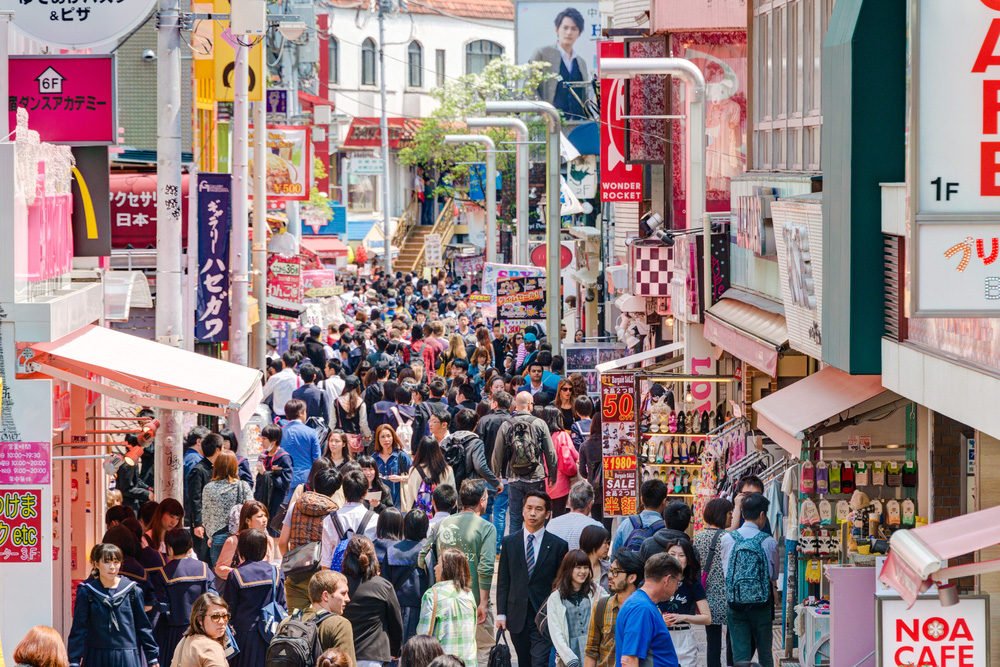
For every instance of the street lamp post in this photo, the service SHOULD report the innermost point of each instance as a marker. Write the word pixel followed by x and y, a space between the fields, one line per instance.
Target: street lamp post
pixel 553 309
pixel 520 175
pixel 490 187
pixel 686 71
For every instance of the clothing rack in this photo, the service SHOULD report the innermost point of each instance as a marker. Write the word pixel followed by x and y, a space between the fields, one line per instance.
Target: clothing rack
pixel 723 429
pixel 777 469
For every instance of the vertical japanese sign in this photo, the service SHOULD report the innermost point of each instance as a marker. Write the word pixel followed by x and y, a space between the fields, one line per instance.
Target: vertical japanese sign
pixel 618 441
pixel 620 182
pixel 214 225
pixel 20 526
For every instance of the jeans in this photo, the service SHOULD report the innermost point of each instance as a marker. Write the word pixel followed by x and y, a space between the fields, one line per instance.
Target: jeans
pixel 215 547
pixel 496 512
pixel 749 627
pixel 518 490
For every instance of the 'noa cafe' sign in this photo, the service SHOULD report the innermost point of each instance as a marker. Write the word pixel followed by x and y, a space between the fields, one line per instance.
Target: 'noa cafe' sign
pixel 930 635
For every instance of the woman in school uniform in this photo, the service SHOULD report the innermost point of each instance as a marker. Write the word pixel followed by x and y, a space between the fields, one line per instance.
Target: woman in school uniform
pixel 256 597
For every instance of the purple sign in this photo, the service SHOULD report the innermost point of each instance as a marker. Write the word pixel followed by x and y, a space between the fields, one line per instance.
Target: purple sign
pixel 215 220
pixel 25 463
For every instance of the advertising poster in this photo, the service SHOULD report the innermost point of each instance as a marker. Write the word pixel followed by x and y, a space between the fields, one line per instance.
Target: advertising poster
pixel 320 283
pixel 289 162
pixel 20 526
pixel 493 272
pixel 521 300
pixel 284 278
pixel 215 221
pixel 25 463
pixel 618 435
pixel 544 30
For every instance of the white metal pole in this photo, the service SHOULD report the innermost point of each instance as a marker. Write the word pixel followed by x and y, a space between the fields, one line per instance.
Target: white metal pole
pixel 489 188
pixel 626 68
pixel 239 315
pixel 169 479
pixel 520 176
pixel 384 131
pixel 260 234
pixel 553 308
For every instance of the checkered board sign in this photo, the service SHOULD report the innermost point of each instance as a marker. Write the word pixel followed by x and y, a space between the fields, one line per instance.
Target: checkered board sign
pixel 650 271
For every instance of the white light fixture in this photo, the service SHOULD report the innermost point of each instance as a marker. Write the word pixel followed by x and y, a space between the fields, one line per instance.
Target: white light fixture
pixel 292 30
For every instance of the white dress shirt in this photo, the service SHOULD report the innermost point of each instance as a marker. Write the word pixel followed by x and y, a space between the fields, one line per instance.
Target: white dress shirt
pixel 281 385
pixel 351 516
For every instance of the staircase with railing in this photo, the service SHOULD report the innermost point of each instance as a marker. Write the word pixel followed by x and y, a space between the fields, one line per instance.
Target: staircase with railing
pixel 414 242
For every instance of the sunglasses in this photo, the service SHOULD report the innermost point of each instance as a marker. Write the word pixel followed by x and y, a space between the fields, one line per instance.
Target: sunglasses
pixel 219 616
pixel 566 389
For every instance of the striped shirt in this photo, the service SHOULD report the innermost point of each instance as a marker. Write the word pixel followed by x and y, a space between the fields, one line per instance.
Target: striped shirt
pixel 601 635
pixel 450 615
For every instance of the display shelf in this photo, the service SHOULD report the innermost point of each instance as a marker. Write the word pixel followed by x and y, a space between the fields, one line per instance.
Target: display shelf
pixel 671 465
pixel 675 435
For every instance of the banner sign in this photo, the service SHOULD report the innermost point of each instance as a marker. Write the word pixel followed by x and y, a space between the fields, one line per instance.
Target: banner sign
pixel 320 283
pixel 620 182
pixel 618 437
pixel 25 463
pixel 284 278
pixel 69 99
pixel 468 265
pixel 955 175
pixel 224 60
pixel 433 252
pixel 21 526
pixel 289 162
pixel 521 299
pixel 930 634
pixel 215 221
pixel 493 272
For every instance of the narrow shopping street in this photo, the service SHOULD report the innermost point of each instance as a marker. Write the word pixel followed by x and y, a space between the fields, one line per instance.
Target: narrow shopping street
pixel 454 333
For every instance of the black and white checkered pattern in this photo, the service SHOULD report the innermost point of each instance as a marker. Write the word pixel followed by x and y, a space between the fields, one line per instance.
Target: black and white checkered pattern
pixel 650 270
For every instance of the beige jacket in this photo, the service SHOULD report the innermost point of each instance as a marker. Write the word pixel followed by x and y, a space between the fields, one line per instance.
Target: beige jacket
pixel 199 651
pixel 408 490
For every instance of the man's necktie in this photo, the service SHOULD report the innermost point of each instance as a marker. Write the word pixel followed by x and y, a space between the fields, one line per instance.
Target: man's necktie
pixel 531 554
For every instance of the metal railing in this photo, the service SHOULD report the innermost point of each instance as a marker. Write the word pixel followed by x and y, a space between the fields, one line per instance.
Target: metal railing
pixel 406 223
pixel 445 226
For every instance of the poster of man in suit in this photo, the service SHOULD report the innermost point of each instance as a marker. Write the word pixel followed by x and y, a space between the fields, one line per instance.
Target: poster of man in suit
pixel 565 37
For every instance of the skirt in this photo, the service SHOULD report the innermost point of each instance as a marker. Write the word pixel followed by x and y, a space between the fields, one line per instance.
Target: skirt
pixel 110 657
pixel 253 648
pixel 167 638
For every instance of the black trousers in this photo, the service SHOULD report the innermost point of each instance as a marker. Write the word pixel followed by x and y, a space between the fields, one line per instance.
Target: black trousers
pixel 713 635
pixel 531 647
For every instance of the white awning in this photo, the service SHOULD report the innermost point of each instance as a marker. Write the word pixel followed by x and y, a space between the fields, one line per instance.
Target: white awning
pixel 153 374
pixel 639 357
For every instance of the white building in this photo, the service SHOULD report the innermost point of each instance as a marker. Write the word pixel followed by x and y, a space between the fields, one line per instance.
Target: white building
pixel 434 41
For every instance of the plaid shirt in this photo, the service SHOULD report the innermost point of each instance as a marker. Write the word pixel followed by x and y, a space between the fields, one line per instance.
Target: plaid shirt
pixel 450 615
pixel 601 636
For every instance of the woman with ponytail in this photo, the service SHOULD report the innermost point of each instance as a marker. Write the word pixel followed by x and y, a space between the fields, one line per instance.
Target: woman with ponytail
pixel 373 610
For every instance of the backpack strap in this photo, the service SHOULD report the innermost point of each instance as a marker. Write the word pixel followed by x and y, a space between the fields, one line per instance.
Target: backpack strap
pixel 711 550
pixel 602 607
pixel 364 522
pixel 337 526
pixel 636 522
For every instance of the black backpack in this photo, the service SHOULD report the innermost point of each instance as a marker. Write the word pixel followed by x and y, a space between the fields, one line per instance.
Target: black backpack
pixel 454 455
pixel 296 644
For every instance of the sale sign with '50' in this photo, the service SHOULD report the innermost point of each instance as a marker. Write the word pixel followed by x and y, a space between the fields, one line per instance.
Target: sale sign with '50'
pixel 618 440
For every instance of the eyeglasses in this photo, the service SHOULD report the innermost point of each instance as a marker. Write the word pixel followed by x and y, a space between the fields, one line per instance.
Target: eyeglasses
pixel 219 616
pixel 615 571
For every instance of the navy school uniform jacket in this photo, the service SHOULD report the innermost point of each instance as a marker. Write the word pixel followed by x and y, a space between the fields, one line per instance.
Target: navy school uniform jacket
pixel 110 628
pixel 177 585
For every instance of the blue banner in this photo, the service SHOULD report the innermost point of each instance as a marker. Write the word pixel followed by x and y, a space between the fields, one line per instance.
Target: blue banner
pixel 477 176
pixel 215 222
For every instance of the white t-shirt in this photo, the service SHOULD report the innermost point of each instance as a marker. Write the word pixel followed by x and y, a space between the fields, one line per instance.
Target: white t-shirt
pixel 351 516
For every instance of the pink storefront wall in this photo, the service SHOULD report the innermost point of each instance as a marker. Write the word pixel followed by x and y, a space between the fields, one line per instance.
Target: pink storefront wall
pixel 673 15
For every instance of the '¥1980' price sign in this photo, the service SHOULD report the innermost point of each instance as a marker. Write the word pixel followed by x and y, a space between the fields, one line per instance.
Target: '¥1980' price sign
pixel 619 436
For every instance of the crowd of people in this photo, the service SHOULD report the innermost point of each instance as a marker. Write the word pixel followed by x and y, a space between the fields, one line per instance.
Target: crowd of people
pixel 422 463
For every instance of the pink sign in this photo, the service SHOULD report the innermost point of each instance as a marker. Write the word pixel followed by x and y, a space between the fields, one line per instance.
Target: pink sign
pixel 284 277
pixel 25 463
pixel 620 182
pixel 69 99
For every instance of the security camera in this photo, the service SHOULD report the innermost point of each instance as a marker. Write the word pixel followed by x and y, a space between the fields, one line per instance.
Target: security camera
pixel 650 222
pixel 149 55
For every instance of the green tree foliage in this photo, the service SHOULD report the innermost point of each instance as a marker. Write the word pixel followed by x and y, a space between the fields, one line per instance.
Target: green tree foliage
pixel 464 97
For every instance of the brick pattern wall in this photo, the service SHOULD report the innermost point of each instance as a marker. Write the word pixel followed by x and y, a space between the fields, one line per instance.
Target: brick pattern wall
pixel 948 469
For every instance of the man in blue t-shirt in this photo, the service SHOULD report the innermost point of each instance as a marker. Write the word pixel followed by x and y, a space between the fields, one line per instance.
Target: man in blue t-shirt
pixel 641 636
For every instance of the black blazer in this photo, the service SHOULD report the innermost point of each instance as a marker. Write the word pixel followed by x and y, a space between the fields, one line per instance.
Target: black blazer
pixel 518 597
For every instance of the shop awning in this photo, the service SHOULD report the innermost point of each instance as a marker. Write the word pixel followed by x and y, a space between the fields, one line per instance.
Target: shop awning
pixel 745 331
pixel 150 374
pixel 918 558
pixel 367 132
pixel 325 246
pixel 786 415
pixel 124 290
pixel 639 357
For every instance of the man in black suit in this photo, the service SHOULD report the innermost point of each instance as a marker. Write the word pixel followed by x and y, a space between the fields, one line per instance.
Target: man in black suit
pixel 529 561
